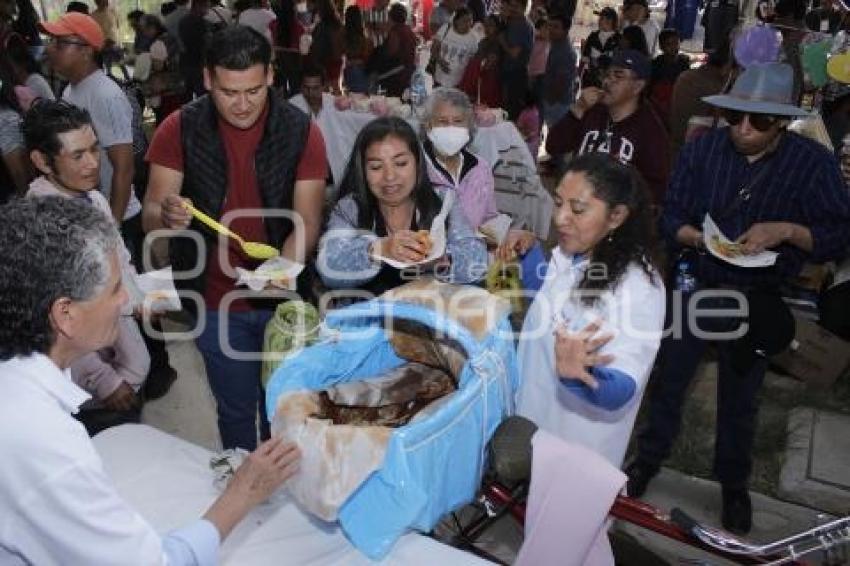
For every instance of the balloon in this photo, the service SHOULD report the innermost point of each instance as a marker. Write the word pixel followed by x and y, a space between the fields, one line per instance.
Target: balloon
pixel 758 44
pixel 838 67
pixel 813 58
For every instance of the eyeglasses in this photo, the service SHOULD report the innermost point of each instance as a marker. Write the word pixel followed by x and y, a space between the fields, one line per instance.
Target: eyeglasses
pixel 761 122
pixel 62 42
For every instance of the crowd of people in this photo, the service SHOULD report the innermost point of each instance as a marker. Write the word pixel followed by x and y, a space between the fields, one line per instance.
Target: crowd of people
pixel 639 139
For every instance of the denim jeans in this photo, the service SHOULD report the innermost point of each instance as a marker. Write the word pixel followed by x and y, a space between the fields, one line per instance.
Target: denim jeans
pixel 737 397
pixel 235 383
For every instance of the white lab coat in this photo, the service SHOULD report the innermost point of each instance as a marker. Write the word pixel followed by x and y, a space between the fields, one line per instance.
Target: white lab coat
pixel 634 313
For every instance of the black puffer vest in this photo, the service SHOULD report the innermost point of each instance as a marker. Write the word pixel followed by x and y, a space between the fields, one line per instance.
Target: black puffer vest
pixel 205 176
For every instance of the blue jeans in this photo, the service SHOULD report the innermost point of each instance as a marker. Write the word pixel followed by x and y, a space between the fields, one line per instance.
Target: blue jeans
pixel 236 384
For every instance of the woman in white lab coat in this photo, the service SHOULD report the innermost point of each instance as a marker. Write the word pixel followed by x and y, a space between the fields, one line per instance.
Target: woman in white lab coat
pixel 590 337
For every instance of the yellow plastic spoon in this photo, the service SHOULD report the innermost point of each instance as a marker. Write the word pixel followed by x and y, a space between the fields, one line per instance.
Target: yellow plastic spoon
pixel 255 250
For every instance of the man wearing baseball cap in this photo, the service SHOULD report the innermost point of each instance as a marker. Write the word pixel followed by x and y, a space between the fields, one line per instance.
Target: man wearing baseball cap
pixel 73 47
pixel 616 120
pixel 767 189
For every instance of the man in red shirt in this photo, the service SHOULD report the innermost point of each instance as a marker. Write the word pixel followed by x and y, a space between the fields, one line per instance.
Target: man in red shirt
pixel 238 149
pixel 616 120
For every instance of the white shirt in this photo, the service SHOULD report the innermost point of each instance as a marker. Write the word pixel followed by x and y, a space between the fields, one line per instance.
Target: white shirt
pixel 456 50
pixel 59 506
pixel 112 118
pixel 634 313
pixel 259 19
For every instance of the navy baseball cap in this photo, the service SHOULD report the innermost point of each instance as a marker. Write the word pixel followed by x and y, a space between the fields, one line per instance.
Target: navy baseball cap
pixel 633 60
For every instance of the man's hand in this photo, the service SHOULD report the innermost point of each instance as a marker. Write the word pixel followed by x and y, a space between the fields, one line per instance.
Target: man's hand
pixel 765 235
pixel 264 470
pixel 517 243
pixel 576 352
pixel 588 98
pixel 122 399
pixel 175 215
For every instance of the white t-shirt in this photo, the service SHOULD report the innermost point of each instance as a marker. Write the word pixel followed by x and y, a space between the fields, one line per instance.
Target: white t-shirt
pixel 112 117
pixel 259 19
pixel 456 50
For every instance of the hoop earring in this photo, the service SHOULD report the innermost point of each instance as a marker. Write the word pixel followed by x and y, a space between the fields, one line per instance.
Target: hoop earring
pixel 610 236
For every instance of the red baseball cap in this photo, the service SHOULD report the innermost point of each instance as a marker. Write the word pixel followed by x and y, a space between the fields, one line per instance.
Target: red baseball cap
pixel 74 23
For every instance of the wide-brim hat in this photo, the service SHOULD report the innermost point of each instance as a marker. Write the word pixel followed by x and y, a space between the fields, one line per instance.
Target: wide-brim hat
pixel 765 88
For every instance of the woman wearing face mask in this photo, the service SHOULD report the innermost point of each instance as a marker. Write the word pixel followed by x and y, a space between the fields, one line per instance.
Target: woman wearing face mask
pixel 590 337
pixel 386 200
pixel 448 127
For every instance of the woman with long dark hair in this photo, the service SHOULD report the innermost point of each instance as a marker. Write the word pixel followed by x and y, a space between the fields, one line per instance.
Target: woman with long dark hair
pixel 590 337
pixel 357 50
pixel 386 201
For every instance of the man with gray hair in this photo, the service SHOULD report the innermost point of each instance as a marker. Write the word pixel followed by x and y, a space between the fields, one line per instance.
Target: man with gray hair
pixel 61 298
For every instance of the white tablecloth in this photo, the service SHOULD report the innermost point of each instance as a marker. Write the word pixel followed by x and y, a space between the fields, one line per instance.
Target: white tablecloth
pixel 169 482
pixel 340 129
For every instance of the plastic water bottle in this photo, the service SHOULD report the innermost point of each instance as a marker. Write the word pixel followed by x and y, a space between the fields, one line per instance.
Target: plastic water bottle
pixel 418 88
pixel 685 279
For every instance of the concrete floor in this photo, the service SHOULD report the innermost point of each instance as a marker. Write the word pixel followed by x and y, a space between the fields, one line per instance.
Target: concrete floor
pixel 188 409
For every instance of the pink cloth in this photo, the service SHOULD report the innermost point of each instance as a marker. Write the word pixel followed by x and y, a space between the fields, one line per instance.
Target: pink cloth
pixel 572 490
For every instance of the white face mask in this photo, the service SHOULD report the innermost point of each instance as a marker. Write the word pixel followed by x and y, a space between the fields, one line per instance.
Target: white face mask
pixel 449 140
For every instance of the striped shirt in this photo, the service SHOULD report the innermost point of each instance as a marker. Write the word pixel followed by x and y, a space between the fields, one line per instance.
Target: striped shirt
pixel 799 182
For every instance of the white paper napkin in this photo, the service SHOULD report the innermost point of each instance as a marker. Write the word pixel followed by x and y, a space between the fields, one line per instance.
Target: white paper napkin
pixel 279 271
pixel 715 241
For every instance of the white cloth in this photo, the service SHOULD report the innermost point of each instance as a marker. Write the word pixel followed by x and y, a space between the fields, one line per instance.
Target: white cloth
pixel 112 118
pixel 634 313
pixel 456 50
pixel 258 19
pixel 301 103
pixel 169 481
pixel 59 506
pixel 340 129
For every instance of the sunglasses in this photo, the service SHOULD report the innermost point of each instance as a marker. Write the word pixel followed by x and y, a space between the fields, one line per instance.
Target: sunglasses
pixel 761 122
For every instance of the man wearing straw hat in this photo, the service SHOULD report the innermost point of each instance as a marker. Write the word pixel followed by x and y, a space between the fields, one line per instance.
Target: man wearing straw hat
pixel 766 189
